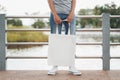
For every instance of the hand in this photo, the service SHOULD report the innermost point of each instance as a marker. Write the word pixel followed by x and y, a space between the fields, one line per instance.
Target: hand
pixel 70 17
pixel 57 19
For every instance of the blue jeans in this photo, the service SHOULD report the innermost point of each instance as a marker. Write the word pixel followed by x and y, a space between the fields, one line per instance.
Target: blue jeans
pixel 72 25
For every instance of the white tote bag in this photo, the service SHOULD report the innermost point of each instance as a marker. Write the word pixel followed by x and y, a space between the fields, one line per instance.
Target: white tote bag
pixel 61 50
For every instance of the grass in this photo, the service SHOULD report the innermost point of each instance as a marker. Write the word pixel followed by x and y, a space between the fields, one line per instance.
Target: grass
pixel 26 36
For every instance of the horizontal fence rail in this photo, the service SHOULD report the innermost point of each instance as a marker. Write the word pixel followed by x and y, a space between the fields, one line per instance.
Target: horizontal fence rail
pixel 105 33
pixel 77 16
pixel 46 43
pixel 47 30
pixel 39 57
pixel 78 30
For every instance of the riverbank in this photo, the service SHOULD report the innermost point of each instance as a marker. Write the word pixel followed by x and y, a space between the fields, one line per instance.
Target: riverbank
pixel 25 36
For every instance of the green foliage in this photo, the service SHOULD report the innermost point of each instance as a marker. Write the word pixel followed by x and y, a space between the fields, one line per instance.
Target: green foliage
pixel 39 24
pixel 98 10
pixel 115 38
pixel 113 10
pixel 91 22
pixel 14 22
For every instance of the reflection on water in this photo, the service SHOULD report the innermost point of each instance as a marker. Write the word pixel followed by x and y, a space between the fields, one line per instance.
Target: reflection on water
pixel 37 64
pixel 81 50
pixel 34 51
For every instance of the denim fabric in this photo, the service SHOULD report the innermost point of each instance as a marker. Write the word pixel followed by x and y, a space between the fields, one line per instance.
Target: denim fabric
pixel 63 16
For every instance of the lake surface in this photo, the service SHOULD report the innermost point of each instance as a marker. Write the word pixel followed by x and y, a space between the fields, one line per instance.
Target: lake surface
pixel 81 50
pixel 41 64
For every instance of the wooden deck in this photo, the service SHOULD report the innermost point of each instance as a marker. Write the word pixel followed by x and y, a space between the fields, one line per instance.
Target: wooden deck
pixel 61 75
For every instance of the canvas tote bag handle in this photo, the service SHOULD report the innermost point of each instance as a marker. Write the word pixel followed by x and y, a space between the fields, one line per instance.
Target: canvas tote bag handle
pixel 68 28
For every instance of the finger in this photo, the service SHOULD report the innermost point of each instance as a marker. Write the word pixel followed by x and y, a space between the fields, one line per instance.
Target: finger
pixel 68 20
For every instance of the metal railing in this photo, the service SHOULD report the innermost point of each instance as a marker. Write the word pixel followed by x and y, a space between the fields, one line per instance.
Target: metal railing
pixel 105 42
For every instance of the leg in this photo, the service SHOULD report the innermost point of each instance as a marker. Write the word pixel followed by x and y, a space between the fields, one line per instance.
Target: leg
pixel 66 27
pixel 73 26
pixel 59 28
pixel 72 68
pixel 63 17
pixel 52 24
pixel 53 31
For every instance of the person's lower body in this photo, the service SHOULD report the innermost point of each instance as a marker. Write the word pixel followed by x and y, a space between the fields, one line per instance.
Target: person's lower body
pixel 72 27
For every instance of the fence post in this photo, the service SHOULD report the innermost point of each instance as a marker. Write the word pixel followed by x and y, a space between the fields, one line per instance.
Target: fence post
pixel 106 40
pixel 2 43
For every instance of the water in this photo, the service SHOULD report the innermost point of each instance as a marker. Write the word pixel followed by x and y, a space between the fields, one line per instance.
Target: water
pixel 41 64
pixel 81 50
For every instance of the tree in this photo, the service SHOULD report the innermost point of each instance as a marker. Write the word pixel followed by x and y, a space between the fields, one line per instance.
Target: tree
pixel 98 10
pixel 86 21
pixel 38 24
pixel 113 10
pixel 14 22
